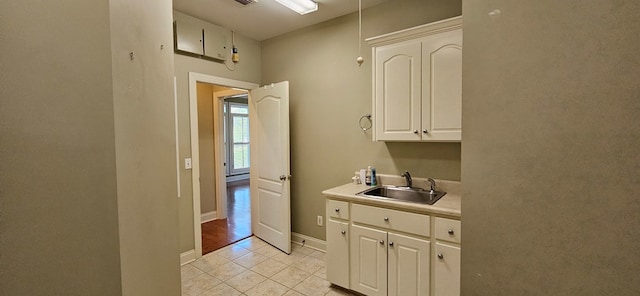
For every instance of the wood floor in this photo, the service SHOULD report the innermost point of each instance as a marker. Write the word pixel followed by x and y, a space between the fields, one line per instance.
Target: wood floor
pixel 222 232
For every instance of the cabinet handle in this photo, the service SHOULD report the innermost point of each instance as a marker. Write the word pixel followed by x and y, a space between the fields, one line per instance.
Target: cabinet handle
pixel 424 131
pixel 381 242
pixel 386 219
pixel 415 132
pixel 450 231
pixel 337 210
pixel 343 232
pixel 440 256
pixel 390 244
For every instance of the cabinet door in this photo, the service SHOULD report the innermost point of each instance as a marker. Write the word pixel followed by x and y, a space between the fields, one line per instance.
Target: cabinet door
pixel 408 265
pixel 442 87
pixel 188 36
pixel 397 91
pixel 338 253
pixel 447 266
pixel 368 261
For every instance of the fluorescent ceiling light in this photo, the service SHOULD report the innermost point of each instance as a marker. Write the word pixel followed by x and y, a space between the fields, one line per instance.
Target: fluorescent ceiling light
pixel 300 6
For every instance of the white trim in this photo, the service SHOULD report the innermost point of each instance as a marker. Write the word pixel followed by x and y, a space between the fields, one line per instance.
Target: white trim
pixel 175 113
pixel 310 242
pixel 187 257
pixel 237 178
pixel 449 24
pixel 194 78
pixel 208 217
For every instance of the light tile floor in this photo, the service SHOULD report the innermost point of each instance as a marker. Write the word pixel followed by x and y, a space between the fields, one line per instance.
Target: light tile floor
pixel 252 267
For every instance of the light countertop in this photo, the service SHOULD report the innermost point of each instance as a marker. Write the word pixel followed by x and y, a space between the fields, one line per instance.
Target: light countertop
pixel 448 205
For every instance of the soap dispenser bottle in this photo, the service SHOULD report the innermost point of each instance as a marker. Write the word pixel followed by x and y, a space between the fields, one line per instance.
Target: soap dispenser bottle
pixel 374 181
pixel 367 176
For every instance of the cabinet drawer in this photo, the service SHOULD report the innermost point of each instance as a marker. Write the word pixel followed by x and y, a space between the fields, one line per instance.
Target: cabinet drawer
pixel 448 230
pixel 338 209
pixel 391 219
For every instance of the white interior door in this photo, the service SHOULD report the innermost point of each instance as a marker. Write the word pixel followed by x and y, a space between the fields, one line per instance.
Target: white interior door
pixel 270 170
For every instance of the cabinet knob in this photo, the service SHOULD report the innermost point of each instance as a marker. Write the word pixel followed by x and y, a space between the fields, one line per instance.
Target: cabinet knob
pixel 424 131
pixel 386 219
pixel 343 232
pixel 440 256
pixel 381 242
pixel 415 132
pixel 450 231
pixel 390 244
pixel 337 210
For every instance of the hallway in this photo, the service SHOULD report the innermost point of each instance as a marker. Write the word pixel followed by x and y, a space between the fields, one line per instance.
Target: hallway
pixel 222 232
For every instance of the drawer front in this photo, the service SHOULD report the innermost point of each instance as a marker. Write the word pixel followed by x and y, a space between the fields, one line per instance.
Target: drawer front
pixel 337 209
pixel 391 219
pixel 448 230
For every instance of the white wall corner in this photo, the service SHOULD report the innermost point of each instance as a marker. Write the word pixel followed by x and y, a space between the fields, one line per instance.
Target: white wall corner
pixel 207 217
pixel 310 242
pixel 187 257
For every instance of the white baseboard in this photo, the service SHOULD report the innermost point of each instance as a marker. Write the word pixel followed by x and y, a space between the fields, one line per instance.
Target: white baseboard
pixel 310 242
pixel 237 178
pixel 209 216
pixel 187 257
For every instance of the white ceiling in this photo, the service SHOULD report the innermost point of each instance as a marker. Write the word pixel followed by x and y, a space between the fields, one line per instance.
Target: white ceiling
pixel 266 18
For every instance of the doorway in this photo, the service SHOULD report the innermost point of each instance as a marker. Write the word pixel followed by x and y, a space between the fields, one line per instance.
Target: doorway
pixel 234 224
pixel 221 213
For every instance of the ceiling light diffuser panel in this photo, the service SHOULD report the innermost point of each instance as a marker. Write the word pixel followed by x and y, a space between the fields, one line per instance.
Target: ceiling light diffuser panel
pixel 300 6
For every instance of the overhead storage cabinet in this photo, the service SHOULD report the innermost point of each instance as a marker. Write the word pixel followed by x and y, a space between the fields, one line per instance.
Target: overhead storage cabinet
pixel 417 83
pixel 196 37
pixel 188 36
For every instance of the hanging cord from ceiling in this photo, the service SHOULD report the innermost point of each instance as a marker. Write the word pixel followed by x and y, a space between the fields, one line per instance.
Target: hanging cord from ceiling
pixel 235 57
pixel 360 59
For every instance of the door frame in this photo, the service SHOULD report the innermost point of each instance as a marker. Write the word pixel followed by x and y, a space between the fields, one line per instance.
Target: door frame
pixel 194 78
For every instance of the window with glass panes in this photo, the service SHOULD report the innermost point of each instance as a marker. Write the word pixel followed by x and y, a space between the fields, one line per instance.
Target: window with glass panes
pixel 237 137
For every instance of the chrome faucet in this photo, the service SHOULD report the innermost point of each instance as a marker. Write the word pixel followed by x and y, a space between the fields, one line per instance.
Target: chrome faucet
pixel 407 177
pixel 432 183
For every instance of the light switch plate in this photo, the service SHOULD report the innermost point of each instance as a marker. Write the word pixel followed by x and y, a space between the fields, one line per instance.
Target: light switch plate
pixel 187 163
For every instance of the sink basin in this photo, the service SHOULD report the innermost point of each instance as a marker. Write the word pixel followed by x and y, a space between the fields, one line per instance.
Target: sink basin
pixel 415 195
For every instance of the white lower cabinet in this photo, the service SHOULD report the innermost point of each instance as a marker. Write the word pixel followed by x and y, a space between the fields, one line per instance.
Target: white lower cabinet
pixel 447 259
pixel 408 259
pixel 378 251
pixel 337 213
pixel 447 263
pixel 368 261
pixel 338 252
pixel 388 263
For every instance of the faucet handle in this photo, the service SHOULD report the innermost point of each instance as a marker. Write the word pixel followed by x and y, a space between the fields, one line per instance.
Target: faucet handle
pixel 432 184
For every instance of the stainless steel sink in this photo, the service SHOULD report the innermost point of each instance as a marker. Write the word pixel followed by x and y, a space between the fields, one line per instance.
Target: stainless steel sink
pixel 408 194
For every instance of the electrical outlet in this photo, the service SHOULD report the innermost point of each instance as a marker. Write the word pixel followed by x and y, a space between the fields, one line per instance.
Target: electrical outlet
pixel 319 221
pixel 187 164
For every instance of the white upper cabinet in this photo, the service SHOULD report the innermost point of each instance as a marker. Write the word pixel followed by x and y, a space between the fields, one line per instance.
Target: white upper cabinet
pixel 417 83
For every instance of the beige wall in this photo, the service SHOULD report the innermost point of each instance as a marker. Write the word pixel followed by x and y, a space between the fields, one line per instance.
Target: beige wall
pixel 58 199
pixel 329 93
pixel 550 150
pixel 145 147
pixel 206 147
pixel 248 69
pixel 87 203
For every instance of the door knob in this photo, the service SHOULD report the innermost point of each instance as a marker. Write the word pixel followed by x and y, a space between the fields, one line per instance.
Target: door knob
pixel 343 232
pixel 337 210
pixel 450 231
pixel 424 131
pixel 440 256
pixel 381 242
pixel 415 132
pixel 390 244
